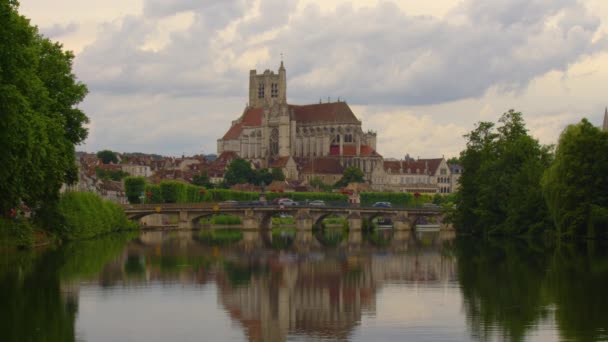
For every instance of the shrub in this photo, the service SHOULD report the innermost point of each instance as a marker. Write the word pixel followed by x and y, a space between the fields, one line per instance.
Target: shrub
pixel 134 188
pixel 85 215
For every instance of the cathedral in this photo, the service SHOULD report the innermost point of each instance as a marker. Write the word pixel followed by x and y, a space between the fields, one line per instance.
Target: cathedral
pixel 303 140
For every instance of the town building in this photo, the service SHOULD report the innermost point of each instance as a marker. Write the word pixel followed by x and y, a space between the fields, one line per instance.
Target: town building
pixel 428 176
pixel 271 131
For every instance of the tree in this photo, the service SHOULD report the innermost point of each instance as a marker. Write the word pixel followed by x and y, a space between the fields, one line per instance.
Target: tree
pixel 318 184
pixel 134 188
pixel 107 156
pixel 40 124
pixel 576 184
pixel 352 174
pixel 239 172
pixel 277 174
pixel 262 176
pixel 453 160
pixel 500 187
pixel 114 175
pixel 202 179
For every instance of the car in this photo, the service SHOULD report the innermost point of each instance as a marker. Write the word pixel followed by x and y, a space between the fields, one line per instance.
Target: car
pixel 286 202
pixel 317 203
pixel 278 199
pixel 382 205
pixel 229 203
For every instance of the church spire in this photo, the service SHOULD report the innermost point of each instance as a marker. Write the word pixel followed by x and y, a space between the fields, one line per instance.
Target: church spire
pixel 605 125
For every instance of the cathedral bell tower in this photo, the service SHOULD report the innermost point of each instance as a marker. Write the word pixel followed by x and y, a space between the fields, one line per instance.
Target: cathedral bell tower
pixel 269 92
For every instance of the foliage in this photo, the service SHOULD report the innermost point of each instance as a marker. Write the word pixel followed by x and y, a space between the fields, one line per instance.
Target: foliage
pixel 576 184
pixel 16 233
pixel 172 191
pixel 396 198
pixel 352 174
pixel 40 124
pixel 453 160
pixel 221 219
pixel 239 171
pixel 134 188
pixel 277 174
pixel 153 194
pixel 107 156
pixel 85 215
pixel 500 187
pixel 317 183
pixel 115 175
pixel 202 179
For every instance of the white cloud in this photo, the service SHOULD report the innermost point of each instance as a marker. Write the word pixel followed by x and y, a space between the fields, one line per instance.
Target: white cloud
pixel 428 69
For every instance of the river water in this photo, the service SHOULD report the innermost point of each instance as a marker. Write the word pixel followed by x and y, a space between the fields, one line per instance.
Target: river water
pixel 428 286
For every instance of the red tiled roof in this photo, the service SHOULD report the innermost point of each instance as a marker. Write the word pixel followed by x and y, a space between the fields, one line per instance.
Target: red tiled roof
pixel 323 165
pixel 351 150
pixel 430 165
pixel 227 156
pixel 251 117
pixel 336 112
pixel 281 162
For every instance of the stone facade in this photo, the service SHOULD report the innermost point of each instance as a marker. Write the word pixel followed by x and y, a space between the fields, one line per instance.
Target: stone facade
pixel 271 129
pixel 421 175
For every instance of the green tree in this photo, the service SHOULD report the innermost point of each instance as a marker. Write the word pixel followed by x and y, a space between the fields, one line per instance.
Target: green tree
pixel 239 171
pixel 262 176
pixel 576 184
pixel 107 156
pixel 277 174
pixel 500 187
pixel 202 179
pixel 317 183
pixel 134 188
pixel 352 174
pixel 453 160
pixel 40 124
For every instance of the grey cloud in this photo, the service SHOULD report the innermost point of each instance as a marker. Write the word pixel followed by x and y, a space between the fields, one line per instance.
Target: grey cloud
pixel 59 30
pixel 374 55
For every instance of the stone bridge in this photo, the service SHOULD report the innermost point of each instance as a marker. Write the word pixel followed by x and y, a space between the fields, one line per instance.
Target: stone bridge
pixel 306 217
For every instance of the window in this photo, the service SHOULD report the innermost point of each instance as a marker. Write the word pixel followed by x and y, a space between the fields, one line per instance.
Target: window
pixel 261 91
pixel 274 90
pixel 443 171
pixel 274 142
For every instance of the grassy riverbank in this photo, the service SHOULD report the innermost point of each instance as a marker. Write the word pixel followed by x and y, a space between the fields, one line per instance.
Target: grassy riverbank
pixel 77 216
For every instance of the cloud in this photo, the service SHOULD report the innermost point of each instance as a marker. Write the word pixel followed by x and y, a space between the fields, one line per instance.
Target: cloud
pixel 58 30
pixel 369 55
pixel 178 70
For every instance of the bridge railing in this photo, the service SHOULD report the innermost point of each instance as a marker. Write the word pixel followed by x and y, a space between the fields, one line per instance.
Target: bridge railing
pixel 270 205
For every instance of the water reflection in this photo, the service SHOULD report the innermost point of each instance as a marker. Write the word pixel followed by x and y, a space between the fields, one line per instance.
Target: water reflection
pixel 285 285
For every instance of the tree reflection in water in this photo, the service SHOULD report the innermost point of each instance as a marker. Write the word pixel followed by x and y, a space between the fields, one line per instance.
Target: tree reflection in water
pixel 510 287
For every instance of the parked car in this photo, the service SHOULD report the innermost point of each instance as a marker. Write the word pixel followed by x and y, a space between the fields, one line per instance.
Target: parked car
pixel 317 203
pixel 286 202
pixel 382 205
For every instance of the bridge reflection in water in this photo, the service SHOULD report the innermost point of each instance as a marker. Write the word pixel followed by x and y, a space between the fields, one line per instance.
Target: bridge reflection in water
pixel 305 289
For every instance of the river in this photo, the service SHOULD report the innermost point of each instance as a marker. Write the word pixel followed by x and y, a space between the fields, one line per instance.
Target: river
pixel 429 286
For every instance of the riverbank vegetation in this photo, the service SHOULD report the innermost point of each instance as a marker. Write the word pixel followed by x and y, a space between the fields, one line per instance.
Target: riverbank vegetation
pixel 512 185
pixel 221 219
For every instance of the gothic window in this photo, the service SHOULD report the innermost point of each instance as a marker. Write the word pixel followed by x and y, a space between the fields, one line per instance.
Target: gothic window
pixel 261 91
pixel 274 90
pixel 274 142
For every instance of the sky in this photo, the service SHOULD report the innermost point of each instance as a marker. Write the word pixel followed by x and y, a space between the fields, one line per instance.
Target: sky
pixel 169 76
